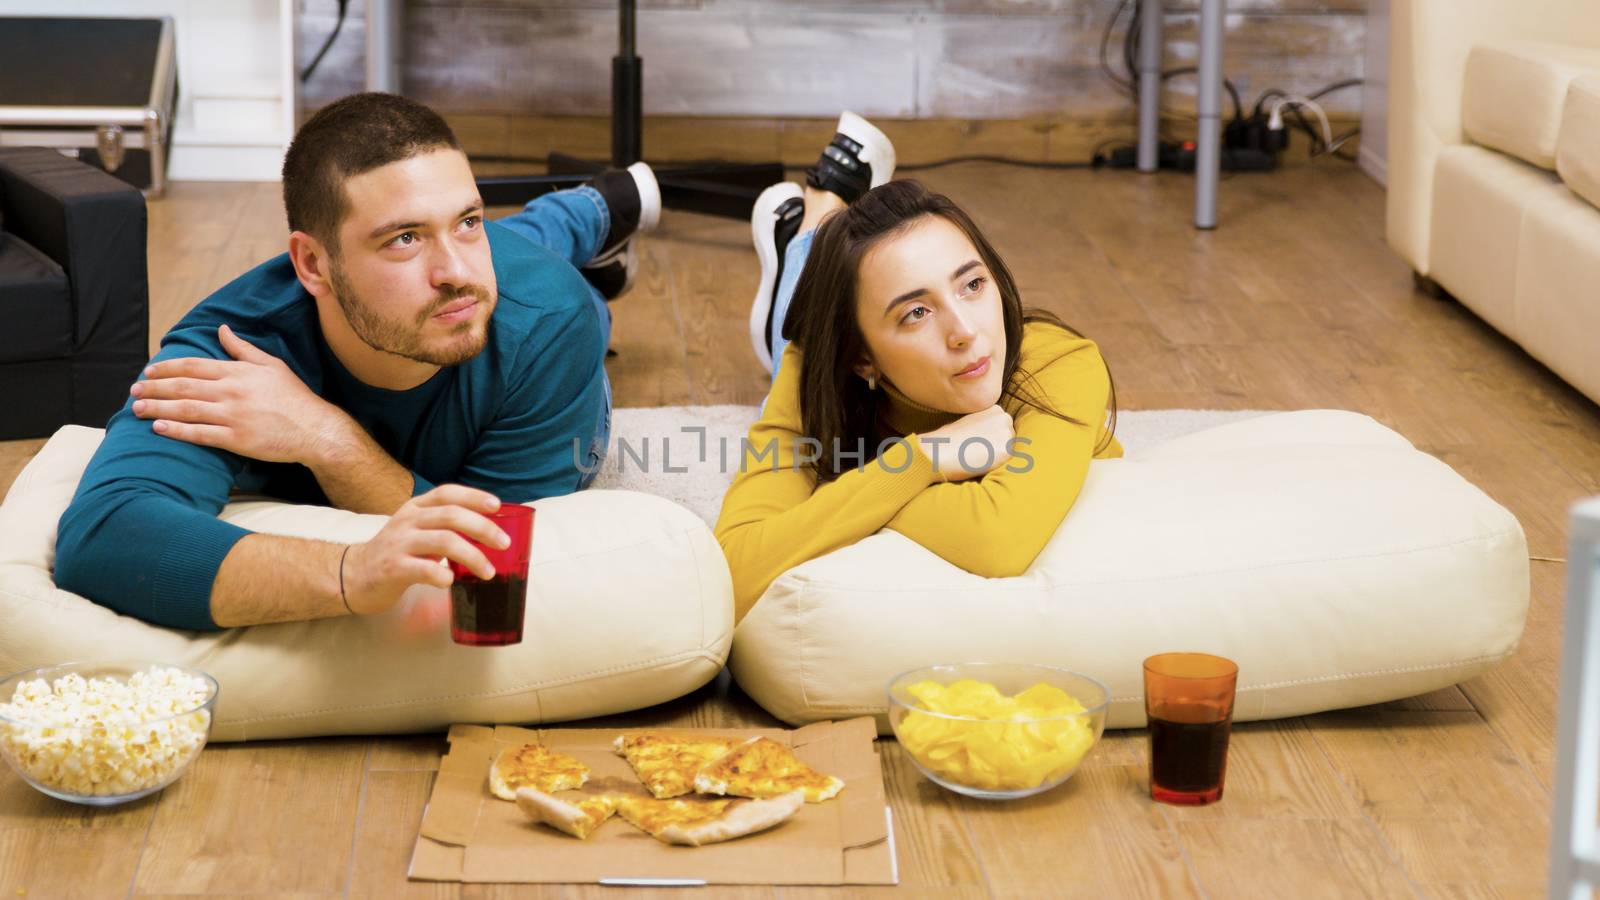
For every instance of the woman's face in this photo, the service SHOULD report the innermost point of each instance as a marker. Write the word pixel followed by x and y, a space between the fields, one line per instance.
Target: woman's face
pixel 931 315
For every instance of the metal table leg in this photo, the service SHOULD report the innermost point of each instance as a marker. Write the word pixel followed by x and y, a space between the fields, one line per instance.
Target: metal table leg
pixel 1149 83
pixel 1208 149
pixel 383 45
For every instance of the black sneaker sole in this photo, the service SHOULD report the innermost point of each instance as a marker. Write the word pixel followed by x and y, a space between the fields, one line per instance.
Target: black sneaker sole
pixel 614 276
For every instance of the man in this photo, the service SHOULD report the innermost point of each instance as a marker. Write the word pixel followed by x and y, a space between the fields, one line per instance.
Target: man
pixel 405 357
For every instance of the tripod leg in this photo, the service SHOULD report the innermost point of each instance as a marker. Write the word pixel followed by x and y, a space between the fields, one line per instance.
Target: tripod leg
pixel 627 93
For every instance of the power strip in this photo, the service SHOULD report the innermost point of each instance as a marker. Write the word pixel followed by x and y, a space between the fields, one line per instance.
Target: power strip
pixel 1248 145
pixel 1181 157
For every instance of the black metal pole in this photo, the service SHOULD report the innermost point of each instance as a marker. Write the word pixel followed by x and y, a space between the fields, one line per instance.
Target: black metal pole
pixel 719 189
pixel 627 91
pixel 628 27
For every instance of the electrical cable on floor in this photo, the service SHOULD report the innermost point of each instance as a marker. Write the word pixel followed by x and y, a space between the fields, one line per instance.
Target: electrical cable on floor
pixel 1323 144
pixel 1336 86
pixel 1130 53
pixel 1343 139
pixel 344 7
pixel 1105 41
pixel 1275 118
pixel 999 160
pixel 1238 108
pixel 1318 146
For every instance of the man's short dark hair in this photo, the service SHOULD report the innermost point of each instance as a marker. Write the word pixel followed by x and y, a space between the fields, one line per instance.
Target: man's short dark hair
pixel 353 135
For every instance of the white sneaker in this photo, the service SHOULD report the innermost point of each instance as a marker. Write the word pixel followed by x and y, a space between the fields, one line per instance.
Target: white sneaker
pixel 858 159
pixel 773 224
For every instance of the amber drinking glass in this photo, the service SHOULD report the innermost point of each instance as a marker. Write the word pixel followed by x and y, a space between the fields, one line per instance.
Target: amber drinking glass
pixel 1188 698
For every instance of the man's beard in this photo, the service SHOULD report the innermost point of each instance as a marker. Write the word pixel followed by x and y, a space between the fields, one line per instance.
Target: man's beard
pixel 406 340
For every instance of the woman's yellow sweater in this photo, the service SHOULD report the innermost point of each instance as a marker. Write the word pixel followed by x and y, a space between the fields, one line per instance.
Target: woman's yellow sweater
pixel 775 517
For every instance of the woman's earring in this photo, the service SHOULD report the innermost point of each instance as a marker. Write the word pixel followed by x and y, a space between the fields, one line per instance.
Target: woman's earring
pixel 872 382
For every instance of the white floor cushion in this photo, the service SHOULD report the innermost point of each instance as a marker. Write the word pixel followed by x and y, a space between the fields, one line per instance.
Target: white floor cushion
pixel 1335 563
pixel 629 604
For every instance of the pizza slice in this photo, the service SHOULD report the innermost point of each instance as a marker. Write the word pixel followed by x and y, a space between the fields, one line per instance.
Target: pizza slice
pixel 536 766
pixel 695 821
pixel 578 818
pixel 667 763
pixel 762 767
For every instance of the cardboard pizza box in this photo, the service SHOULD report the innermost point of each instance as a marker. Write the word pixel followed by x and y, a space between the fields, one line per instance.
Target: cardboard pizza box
pixel 469 835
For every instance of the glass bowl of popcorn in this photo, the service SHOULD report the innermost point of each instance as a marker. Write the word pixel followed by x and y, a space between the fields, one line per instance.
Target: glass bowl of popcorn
pixel 997 731
pixel 104 733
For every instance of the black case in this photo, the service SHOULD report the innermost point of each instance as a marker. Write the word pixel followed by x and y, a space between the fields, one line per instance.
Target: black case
pixel 102 90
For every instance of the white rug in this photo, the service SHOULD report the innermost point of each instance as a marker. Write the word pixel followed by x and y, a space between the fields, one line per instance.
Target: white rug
pixel 663 450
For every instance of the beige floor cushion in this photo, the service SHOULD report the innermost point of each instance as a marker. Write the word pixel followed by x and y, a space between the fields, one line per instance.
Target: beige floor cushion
pixel 1335 563
pixel 629 604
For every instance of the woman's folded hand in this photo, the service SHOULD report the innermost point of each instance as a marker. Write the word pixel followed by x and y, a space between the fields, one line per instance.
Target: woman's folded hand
pixel 971 446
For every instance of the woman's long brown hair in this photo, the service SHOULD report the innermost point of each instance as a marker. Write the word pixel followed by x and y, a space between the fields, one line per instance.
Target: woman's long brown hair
pixel 836 406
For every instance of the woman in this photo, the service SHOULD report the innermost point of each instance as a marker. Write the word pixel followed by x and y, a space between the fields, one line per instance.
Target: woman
pixel 911 389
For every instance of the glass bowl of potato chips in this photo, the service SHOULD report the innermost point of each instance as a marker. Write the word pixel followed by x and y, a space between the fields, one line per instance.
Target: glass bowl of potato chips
pixel 997 731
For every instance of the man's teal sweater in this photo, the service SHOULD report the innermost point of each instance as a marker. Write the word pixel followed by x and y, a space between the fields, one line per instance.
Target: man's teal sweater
pixel 518 420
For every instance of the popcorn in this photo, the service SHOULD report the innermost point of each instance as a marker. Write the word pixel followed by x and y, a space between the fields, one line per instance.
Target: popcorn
pixel 103 737
pixel 1010 748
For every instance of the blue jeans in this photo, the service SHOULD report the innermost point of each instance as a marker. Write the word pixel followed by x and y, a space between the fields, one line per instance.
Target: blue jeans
pixel 794 259
pixel 573 224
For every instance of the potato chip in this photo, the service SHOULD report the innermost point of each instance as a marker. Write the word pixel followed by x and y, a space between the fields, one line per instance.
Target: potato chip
pixel 1009 750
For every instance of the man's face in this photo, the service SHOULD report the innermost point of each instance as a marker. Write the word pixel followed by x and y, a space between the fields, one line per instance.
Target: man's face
pixel 413 274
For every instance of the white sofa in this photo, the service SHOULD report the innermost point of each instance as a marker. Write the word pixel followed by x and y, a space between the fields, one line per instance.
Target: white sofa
pixel 1494 166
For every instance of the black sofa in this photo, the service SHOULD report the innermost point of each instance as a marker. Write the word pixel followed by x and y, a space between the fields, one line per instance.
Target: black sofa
pixel 74 293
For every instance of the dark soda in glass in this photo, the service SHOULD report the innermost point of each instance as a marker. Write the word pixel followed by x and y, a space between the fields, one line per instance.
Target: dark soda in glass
pixel 1188 759
pixel 489 612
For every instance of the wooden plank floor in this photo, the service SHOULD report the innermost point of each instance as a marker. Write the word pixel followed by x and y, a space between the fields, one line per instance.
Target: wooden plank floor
pixel 1294 302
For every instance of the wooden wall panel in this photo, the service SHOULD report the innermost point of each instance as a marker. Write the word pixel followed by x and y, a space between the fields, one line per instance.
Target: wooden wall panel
pixel 502 60
pixel 962 59
pixel 1294 53
pixel 990 67
pixel 771 63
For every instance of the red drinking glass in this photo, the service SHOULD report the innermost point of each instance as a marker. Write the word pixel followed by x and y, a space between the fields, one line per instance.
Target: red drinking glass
pixel 489 612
